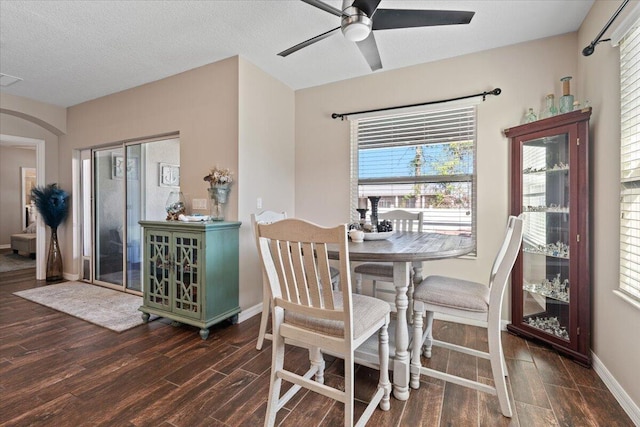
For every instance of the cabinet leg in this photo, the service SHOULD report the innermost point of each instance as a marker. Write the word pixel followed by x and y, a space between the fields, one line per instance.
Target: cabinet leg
pixel 145 317
pixel 204 333
pixel 234 319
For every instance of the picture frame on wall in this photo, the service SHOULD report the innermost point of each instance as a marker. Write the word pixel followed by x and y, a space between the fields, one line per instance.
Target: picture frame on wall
pixel 169 175
pixel 118 169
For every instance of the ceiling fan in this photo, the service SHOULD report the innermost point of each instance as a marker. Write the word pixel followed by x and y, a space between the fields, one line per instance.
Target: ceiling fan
pixel 358 23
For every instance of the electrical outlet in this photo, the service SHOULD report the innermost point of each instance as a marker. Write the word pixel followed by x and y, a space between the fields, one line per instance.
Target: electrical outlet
pixel 199 204
pixel 259 203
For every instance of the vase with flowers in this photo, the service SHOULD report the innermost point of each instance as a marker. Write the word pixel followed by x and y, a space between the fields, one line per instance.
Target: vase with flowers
pixel 52 204
pixel 219 186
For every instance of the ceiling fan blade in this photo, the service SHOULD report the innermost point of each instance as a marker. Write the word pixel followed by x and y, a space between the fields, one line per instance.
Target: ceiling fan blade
pixel 323 6
pixel 369 50
pixel 387 19
pixel 367 6
pixel 306 43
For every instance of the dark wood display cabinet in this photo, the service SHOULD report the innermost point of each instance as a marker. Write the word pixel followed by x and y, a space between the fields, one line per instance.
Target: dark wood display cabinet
pixel 550 294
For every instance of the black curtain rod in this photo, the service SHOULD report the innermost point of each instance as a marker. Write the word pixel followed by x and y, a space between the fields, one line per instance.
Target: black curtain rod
pixel 589 49
pixel 497 91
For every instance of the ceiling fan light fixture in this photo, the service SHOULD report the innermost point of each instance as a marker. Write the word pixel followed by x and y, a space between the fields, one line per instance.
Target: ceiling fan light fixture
pixel 356 26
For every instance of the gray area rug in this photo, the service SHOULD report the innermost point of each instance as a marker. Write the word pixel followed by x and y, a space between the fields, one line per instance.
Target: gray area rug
pixel 11 262
pixel 104 307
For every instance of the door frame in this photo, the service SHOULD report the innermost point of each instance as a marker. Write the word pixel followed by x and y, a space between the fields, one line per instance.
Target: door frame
pixel 9 140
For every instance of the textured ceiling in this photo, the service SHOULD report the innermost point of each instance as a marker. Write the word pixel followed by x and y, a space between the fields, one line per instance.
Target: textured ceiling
pixel 68 52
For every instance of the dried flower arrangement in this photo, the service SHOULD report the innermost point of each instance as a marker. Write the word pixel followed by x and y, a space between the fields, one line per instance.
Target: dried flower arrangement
pixel 218 177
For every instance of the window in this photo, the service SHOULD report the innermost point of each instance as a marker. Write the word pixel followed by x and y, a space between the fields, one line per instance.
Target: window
pixel 630 163
pixel 420 161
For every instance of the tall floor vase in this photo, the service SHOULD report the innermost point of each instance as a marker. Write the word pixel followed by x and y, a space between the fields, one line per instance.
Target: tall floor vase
pixel 54 259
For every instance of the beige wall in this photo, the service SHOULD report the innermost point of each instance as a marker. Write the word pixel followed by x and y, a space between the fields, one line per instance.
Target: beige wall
pixel 25 118
pixel 266 163
pixel 12 159
pixel 233 115
pixel 229 114
pixel 200 104
pixel 615 322
pixel 49 117
pixel 21 126
pixel 525 73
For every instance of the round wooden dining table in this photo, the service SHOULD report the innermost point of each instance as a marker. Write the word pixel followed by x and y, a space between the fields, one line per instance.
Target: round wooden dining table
pixel 406 249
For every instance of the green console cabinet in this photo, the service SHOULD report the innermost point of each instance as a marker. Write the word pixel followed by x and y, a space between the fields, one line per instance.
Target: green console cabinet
pixel 190 272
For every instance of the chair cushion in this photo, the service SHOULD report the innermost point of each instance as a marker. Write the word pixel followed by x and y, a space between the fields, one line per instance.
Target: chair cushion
pixel 453 293
pixel 380 269
pixel 366 312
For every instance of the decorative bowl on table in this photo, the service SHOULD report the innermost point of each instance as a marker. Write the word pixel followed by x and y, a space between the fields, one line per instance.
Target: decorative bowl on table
pixel 378 236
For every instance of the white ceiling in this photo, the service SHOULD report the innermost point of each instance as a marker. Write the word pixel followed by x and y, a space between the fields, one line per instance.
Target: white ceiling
pixel 68 52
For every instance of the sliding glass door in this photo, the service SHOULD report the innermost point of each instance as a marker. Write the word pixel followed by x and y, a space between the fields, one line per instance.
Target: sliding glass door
pixel 109 172
pixel 130 182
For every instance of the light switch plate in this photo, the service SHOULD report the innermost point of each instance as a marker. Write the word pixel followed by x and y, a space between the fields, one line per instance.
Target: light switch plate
pixel 199 204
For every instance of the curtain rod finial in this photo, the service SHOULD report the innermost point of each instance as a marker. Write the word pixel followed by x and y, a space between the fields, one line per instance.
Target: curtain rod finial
pixel 587 51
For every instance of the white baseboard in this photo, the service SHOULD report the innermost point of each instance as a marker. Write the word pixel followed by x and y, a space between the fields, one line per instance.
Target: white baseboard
pixel 71 277
pixel 7 246
pixel 249 312
pixel 629 406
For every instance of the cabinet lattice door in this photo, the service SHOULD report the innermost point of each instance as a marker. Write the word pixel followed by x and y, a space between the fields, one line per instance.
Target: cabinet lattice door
pixel 190 273
pixel 159 269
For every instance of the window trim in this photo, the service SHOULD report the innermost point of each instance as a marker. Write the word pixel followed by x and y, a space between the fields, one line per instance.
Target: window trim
pixel 632 22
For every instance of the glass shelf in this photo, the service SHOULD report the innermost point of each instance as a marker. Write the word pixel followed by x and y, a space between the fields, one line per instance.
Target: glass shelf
pixel 552 255
pixel 550 325
pixel 544 171
pixel 541 209
pixel 539 289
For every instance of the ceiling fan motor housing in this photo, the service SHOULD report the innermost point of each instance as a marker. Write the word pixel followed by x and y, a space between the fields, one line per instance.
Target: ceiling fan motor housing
pixel 356 26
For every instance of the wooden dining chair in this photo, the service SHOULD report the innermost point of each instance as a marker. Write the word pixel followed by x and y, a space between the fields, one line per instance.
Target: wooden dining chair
pixel 401 220
pixel 309 313
pixel 268 217
pixel 463 299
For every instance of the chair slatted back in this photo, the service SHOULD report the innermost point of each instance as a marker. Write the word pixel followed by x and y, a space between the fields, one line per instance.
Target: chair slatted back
pixel 404 220
pixel 294 255
pixel 265 217
pixel 503 264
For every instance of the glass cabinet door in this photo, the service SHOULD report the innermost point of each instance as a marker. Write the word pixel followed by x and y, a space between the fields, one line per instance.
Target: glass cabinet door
pixel 187 298
pixel 546 242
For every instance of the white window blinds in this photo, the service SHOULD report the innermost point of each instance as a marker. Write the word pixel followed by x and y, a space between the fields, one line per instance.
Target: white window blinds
pixel 630 163
pixel 419 161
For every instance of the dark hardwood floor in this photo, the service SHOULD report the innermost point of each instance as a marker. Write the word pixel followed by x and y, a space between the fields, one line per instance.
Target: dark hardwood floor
pixel 56 370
